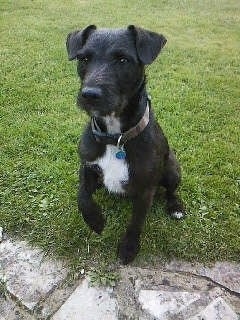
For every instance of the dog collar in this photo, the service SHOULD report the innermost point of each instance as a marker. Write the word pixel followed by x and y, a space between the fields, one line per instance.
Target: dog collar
pixel 119 139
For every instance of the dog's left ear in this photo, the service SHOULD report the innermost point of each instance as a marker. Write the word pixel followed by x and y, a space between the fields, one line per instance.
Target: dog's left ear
pixel 148 43
pixel 76 40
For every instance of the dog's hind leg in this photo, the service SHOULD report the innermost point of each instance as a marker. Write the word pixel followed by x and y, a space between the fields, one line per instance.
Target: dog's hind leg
pixel 170 180
pixel 129 244
pixel 91 212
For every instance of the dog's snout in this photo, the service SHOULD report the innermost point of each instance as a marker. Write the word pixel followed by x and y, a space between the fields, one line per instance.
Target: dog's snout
pixel 91 92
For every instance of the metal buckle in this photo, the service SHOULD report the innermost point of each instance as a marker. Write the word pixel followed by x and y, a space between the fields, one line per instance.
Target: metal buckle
pixel 118 143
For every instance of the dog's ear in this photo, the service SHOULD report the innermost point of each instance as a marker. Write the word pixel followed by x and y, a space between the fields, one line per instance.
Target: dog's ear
pixel 76 40
pixel 148 43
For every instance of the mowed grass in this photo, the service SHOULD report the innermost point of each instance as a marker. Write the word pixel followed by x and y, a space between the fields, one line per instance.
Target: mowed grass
pixel 194 86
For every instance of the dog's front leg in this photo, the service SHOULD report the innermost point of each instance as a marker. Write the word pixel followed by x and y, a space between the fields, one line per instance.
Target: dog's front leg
pixel 130 243
pixel 91 212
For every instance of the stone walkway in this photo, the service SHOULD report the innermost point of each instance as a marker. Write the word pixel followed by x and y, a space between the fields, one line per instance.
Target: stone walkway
pixel 33 286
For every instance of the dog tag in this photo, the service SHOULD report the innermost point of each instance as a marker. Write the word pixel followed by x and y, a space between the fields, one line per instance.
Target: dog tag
pixel 121 154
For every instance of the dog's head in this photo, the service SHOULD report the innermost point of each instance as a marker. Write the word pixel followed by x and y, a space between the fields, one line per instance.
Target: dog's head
pixel 111 65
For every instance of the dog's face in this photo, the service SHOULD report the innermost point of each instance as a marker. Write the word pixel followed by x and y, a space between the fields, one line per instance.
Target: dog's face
pixel 111 65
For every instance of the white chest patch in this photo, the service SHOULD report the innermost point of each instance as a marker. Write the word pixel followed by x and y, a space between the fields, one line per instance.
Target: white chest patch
pixel 115 171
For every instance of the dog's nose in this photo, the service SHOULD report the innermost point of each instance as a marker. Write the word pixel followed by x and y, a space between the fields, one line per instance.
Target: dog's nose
pixel 92 92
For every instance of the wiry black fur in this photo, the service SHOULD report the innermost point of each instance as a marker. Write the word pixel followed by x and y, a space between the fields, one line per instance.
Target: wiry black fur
pixel 111 63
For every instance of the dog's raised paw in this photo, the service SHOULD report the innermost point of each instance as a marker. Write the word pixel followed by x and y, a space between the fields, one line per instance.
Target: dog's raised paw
pixel 98 224
pixel 94 219
pixel 128 248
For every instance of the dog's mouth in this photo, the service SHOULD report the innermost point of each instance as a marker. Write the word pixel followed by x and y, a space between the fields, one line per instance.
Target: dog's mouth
pixel 94 110
pixel 103 106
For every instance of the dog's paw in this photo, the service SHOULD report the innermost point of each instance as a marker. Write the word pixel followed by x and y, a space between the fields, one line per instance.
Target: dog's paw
pixel 94 218
pixel 175 209
pixel 128 248
pixel 178 215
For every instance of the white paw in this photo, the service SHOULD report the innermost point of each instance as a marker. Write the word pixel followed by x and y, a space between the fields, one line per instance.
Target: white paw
pixel 178 214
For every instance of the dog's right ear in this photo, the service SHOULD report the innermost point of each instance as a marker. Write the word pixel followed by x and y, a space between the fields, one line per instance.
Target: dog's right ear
pixel 76 40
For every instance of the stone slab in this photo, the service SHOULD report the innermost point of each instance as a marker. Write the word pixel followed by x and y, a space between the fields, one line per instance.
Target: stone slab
pixel 226 274
pixel 28 275
pixel 88 303
pixel 56 300
pixel 217 310
pixel 6 309
pixel 135 279
pixel 163 304
pixel 9 311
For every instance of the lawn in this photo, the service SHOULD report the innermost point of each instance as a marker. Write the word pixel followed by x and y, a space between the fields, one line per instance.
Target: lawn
pixel 194 86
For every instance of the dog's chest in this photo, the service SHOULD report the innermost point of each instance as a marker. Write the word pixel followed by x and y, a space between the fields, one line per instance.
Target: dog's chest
pixel 115 171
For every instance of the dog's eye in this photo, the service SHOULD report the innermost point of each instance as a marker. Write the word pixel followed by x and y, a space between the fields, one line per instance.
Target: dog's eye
pixel 123 60
pixel 83 59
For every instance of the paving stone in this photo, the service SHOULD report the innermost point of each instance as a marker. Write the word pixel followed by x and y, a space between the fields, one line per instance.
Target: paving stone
pixel 6 309
pixel 226 274
pixel 55 300
pixel 173 291
pixel 162 304
pixel 88 303
pixel 28 275
pixel 9 311
pixel 217 310
pixel 135 279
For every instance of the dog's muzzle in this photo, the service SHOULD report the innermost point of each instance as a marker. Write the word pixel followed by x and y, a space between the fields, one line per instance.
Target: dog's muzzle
pixel 93 93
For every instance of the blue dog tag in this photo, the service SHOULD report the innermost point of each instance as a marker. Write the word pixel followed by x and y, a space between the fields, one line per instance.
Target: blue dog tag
pixel 121 154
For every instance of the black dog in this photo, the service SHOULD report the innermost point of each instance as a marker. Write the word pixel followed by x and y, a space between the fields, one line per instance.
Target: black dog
pixel 123 148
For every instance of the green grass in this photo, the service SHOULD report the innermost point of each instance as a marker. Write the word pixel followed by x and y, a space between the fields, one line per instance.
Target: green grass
pixel 195 89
